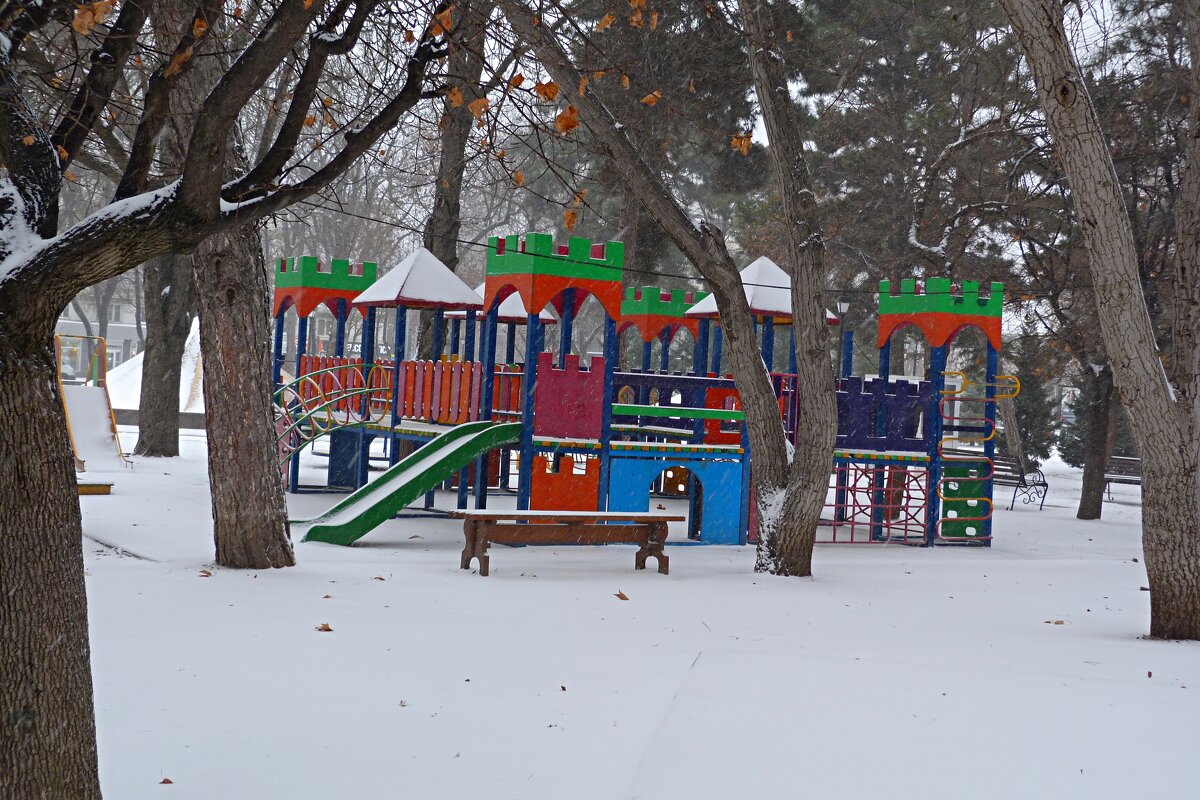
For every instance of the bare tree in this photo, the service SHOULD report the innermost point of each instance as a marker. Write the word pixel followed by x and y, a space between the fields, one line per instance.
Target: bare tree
pixel 783 492
pixel 1165 414
pixel 48 736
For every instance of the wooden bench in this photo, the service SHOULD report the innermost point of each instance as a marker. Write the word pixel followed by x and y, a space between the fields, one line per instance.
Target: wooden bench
pixel 1122 470
pixel 1030 485
pixel 481 529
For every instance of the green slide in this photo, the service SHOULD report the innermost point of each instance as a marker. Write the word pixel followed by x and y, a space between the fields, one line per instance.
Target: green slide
pixel 402 484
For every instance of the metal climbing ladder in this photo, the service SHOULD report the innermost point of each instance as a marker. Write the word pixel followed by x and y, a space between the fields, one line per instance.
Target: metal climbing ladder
pixel 965 450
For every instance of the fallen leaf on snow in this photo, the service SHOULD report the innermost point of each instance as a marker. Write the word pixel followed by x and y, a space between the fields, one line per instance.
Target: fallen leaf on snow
pixel 326 596
pixel 205 573
pixel 621 596
pixel 379 578
pixel 324 627
pixel 166 780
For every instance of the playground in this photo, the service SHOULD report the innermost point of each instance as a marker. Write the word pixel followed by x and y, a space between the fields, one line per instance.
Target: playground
pixel 961 615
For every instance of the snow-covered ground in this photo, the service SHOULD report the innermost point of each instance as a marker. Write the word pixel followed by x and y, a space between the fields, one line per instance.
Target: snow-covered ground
pixel 1014 672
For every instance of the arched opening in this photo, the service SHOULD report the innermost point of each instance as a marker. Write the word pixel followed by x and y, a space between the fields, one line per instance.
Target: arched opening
pixel 679 490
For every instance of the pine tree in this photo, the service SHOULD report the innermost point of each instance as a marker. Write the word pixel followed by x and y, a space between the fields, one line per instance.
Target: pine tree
pixel 1037 413
pixel 1074 430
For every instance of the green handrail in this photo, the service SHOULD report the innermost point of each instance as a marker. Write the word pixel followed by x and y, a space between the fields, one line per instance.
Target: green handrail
pixel 675 412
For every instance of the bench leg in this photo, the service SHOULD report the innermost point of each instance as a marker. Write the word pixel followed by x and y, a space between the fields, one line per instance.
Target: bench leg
pixel 468 551
pixel 1014 500
pixel 481 548
pixel 654 547
pixel 1045 491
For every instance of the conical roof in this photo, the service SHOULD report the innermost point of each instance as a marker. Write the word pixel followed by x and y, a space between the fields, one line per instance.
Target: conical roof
pixel 420 281
pixel 768 291
pixel 512 309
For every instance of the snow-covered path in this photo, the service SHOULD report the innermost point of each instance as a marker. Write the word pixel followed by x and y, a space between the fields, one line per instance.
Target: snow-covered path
pixel 896 672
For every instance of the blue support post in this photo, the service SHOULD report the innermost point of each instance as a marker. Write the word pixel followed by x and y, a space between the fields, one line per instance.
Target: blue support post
pixel 644 391
pixel 768 343
pixel 487 346
pixel 339 336
pixel 525 469
pixel 716 350
pixel 398 346
pixel 510 344
pixel 439 333
pixel 565 325
pixel 700 352
pixel 989 446
pixel 301 347
pixel 469 344
pixel 937 380
pixel 848 351
pixel 612 352
pixel 277 355
pixel 368 358
pixel 664 358
pixel 792 349
pixel 877 476
pixel 455 335
pixel 744 522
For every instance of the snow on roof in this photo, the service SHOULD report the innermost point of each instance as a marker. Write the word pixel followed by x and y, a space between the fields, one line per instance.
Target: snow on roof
pixel 512 309
pixel 768 290
pixel 420 281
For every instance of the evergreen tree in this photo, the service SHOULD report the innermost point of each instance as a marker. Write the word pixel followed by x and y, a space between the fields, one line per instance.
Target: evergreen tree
pixel 1037 413
pixel 1074 429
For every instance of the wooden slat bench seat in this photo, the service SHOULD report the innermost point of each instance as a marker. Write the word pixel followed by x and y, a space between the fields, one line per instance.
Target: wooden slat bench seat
pixel 481 529
pixel 1122 470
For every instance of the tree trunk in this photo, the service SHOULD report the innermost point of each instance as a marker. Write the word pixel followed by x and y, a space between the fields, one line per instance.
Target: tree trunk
pixel 704 245
pixel 170 293
pixel 787 550
pixel 1012 432
pixel 1165 430
pixel 443 227
pixel 47 721
pixel 1097 443
pixel 249 512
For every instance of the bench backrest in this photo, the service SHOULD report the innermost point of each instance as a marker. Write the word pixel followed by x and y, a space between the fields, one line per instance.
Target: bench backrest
pixel 1124 465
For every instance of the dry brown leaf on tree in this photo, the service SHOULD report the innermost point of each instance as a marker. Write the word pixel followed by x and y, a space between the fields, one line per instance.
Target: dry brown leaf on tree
pixel 455 96
pixel 177 62
pixel 199 26
pixel 519 178
pixel 605 21
pixel 652 98
pixel 443 22
pixel 479 107
pixel 567 120
pixel 516 80
pixel 548 91
pixel 570 218
pixel 87 17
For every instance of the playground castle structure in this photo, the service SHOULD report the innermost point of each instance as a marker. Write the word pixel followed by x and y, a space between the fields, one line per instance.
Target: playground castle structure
pixel 582 432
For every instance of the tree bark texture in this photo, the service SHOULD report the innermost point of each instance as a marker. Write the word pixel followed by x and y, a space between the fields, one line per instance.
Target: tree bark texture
pixel 47 729
pixel 1012 432
pixel 170 294
pixel 1097 443
pixel 443 226
pixel 788 549
pixel 1164 428
pixel 250 522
